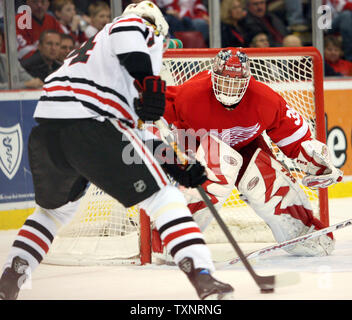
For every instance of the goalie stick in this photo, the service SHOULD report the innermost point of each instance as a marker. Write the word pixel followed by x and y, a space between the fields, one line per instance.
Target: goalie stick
pixel 281 245
pixel 265 283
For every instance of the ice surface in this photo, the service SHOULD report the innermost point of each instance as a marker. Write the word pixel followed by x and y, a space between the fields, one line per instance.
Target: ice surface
pixel 325 278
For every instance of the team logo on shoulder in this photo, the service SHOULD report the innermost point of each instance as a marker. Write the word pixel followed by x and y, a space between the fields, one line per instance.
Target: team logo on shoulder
pixel 140 186
pixel 11 148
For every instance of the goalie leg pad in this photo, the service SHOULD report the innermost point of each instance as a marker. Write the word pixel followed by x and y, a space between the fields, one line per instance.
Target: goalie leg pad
pixel 277 198
pixel 222 165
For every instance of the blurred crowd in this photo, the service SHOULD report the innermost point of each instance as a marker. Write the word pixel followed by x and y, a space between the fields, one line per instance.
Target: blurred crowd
pixel 60 26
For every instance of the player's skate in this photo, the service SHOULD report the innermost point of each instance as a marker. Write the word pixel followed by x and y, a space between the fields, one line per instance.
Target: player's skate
pixel 206 286
pixel 12 279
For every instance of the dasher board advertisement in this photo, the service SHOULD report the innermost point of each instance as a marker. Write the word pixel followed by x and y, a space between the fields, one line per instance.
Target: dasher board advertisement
pixel 16 122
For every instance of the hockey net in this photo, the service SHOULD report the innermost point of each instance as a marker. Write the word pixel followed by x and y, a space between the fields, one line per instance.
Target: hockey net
pixel 104 232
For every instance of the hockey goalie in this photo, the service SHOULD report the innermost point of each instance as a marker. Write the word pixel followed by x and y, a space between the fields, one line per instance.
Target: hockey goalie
pixel 225 111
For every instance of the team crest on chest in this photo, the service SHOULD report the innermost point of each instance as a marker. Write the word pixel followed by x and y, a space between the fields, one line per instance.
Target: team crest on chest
pixel 236 135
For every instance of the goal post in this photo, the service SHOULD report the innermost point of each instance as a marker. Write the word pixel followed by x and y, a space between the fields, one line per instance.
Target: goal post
pixel 104 232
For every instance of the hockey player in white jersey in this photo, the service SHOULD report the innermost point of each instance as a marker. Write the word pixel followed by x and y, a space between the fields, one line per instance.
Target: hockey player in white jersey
pixel 86 116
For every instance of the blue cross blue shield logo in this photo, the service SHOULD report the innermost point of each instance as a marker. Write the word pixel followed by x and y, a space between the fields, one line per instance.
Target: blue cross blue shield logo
pixel 11 148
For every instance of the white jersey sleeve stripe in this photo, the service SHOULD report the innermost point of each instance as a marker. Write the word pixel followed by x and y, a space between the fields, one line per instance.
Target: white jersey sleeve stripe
pixel 130 28
pixel 129 39
pixel 139 20
pixel 300 133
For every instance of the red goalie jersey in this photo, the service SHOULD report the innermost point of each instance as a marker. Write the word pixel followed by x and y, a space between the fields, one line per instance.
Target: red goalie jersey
pixel 193 105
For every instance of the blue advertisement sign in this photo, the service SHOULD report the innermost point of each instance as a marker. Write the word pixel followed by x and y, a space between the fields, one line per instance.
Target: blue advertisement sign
pixel 16 122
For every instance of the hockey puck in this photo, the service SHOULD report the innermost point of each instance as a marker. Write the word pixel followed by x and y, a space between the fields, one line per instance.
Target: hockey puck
pixel 270 290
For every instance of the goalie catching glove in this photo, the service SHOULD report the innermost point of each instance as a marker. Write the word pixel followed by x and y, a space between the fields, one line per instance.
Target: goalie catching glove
pixel 314 160
pixel 151 104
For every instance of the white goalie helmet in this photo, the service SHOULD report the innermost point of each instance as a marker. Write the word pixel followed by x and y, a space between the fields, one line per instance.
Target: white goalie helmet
pixel 230 76
pixel 149 11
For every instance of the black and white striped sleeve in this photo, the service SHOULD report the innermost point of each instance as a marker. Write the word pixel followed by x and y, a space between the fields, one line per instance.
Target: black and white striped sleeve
pixel 129 38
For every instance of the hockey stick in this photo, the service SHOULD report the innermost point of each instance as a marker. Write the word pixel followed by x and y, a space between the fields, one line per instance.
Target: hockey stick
pixel 265 283
pixel 281 245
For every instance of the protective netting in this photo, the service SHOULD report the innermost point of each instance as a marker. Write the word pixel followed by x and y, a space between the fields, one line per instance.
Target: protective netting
pixel 105 232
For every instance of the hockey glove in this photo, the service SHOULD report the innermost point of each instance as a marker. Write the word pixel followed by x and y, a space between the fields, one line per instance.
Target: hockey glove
pixel 151 104
pixel 189 176
pixel 314 159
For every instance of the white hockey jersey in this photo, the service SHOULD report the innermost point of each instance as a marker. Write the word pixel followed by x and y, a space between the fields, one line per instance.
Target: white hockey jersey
pixel 92 83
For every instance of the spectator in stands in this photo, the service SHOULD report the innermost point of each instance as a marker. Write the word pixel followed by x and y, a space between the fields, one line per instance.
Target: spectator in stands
pixel 296 13
pixel 100 15
pixel 333 55
pixel 19 3
pixel 342 24
pixel 26 81
pixel 176 23
pixel 232 30
pixel 292 40
pixel 65 12
pixel 44 60
pixel 259 20
pixel 2 46
pixel 2 27
pixel 186 15
pixel 295 16
pixel 82 6
pixel 260 40
pixel 67 45
pixel 28 39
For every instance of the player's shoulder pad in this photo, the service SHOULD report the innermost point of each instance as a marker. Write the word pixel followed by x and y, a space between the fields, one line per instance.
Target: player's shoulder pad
pixel 128 23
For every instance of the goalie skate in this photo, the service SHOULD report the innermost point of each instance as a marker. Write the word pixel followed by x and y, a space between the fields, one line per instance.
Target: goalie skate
pixel 206 286
pixel 316 247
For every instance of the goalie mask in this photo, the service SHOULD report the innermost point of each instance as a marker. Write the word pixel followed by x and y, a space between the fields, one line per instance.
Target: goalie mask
pixel 149 11
pixel 230 76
